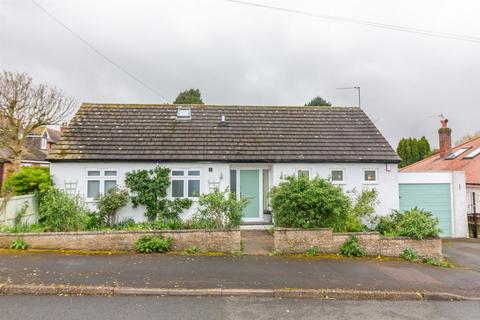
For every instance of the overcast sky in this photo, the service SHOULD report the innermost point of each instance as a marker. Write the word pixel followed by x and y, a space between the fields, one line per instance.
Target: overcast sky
pixel 238 54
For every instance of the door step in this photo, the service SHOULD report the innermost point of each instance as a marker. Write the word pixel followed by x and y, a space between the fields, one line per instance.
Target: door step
pixel 257 242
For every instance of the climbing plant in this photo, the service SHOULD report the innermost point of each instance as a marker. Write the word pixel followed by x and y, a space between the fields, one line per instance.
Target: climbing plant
pixel 149 188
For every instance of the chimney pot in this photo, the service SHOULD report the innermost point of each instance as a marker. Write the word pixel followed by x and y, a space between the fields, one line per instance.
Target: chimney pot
pixel 445 139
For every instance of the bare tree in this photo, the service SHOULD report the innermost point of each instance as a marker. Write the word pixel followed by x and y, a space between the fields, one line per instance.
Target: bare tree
pixel 25 107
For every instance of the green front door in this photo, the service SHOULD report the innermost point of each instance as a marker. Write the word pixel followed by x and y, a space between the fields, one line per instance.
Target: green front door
pixel 250 189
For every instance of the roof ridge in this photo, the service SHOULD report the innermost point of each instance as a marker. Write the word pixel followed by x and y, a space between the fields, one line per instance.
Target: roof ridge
pixel 103 104
pixel 466 142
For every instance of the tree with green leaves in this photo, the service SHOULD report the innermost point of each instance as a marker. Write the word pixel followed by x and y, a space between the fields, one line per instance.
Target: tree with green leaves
pixel 190 96
pixel 318 101
pixel 412 150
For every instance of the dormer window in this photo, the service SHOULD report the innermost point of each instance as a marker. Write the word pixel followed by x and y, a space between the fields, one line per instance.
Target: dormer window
pixel 44 144
pixel 184 113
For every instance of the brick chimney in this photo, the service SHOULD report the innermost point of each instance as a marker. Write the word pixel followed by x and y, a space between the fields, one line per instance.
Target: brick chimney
pixel 445 139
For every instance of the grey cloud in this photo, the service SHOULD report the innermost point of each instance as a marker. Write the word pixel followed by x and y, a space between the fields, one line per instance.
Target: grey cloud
pixel 242 55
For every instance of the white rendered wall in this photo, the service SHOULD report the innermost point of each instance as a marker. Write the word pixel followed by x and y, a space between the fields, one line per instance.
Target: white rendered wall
pixel 460 217
pixel 386 185
pixel 63 172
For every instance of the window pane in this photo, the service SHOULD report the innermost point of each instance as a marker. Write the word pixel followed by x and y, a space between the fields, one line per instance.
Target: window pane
pixel 110 173
pixel 177 173
pixel 370 175
pixel 193 172
pixel 93 188
pixel 303 173
pixel 337 175
pixel 193 188
pixel 177 188
pixel 109 184
pixel 233 181
pixel 94 173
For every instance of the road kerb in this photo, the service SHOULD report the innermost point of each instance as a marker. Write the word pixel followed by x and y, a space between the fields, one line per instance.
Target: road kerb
pixel 344 294
pixel 127 291
pixel 325 294
pixel 249 292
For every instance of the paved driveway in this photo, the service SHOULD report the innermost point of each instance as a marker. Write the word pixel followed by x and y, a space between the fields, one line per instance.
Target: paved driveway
pixel 463 252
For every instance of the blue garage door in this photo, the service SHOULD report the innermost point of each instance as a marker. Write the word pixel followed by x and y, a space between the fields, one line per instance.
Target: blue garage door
pixel 433 197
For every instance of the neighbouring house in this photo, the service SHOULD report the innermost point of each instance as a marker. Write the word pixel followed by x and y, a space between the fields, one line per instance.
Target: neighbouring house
pixel 43 138
pixel 248 149
pixel 446 183
pixel 38 144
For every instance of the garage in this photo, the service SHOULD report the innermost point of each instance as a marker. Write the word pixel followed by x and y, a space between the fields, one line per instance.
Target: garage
pixel 433 197
pixel 441 193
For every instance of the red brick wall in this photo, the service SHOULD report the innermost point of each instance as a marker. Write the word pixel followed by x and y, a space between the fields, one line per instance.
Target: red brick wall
pixel 5 170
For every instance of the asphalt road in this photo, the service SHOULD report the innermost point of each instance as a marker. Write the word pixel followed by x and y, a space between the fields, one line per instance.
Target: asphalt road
pixel 198 308
pixel 252 272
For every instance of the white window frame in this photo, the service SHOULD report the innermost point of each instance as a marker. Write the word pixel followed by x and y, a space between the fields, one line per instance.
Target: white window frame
pixel 185 178
pixel 101 178
pixel 309 170
pixel 44 143
pixel 343 175
pixel 370 181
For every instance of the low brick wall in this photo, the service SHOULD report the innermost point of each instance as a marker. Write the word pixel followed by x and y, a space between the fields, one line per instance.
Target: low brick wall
pixel 209 240
pixel 300 240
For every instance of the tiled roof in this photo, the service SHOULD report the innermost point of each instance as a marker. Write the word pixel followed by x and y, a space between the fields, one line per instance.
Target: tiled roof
pixel 250 134
pixel 54 135
pixel 32 154
pixel 471 167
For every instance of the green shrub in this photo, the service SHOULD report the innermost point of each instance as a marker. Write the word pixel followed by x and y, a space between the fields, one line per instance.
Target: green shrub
pixel 93 221
pixel 28 180
pixel 387 224
pixel 109 204
pixel 58 211
pixel 218 210
pixel 418 224
pixel 362 210
pixel 149 188
pixel 351 248
pixel 151 244
pixel 166 224
pixel 19 244
pixel 313 251
pixel 299 202
pixel 22 228
pixel 409 255
pixel 192 250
